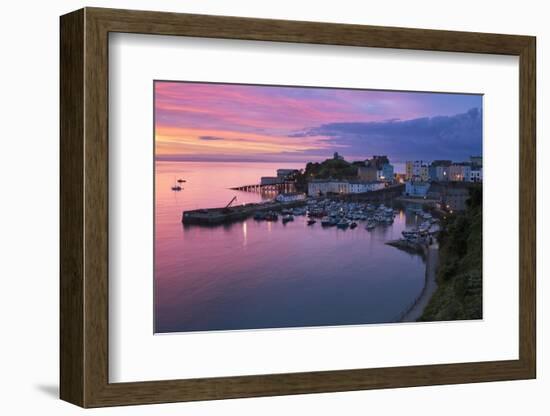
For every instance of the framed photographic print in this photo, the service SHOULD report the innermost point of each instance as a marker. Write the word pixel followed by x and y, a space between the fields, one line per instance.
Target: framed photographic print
pixel 255 207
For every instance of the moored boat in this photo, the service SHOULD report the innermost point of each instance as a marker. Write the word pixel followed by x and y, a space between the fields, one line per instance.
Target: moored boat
pixel 287 218
pixel 271 216
pixel 327 221
pixel 259 216
pixel 343 224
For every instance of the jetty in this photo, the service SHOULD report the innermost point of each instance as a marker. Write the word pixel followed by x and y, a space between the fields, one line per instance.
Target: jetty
pixel 409 246
pixel 270 187
pixel 216 216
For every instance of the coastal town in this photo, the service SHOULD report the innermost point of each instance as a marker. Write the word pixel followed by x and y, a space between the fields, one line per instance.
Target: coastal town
pixel 443 185
pixel 367 193
pixel 439 180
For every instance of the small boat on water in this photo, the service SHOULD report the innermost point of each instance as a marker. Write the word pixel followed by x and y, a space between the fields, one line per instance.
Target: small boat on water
pixel 271 216
pixel 176 187
pixel 181 180
pixel 353 225
pixel 316 212
pixel 327 222
pixel 259 216
pixel 311 222
pixel 287 218
pixel 343 224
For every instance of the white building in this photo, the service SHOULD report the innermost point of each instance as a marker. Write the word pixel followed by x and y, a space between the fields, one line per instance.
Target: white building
pixel 386 173
pixel 323 187
pixel 289 197
pixel 362 187
pixel 476 175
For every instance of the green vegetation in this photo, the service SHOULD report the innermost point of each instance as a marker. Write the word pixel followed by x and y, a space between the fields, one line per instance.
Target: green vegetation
pixel 330 168
pixel 459 292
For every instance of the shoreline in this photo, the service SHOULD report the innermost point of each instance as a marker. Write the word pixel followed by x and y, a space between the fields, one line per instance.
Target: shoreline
pixel 431 255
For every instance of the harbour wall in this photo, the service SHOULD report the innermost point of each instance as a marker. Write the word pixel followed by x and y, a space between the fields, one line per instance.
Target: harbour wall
pixel 215 216
pixel 381 195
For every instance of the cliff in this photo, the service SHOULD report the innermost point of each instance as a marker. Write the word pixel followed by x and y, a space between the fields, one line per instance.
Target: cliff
pixel 459 276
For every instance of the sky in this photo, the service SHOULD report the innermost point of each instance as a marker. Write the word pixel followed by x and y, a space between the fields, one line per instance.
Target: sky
pixel 233 122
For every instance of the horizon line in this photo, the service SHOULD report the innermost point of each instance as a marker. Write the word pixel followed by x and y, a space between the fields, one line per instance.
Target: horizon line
pixel 176 158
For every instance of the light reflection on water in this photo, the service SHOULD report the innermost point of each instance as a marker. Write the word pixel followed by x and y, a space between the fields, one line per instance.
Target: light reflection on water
pixel 251 274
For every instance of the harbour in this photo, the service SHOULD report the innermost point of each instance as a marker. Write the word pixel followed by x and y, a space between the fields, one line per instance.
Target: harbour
pixel 263 272
pixel 229 213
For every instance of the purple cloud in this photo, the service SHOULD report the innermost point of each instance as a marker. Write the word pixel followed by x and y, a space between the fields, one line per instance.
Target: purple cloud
pixel 439 137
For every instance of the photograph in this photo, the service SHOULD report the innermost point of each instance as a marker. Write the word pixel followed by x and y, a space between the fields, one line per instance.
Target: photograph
pixel 292 206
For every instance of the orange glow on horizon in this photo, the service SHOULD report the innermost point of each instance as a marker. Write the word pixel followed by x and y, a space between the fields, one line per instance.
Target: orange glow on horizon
pixel 187 141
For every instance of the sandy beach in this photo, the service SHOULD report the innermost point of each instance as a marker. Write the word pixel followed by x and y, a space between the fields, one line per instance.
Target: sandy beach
pixel 432 261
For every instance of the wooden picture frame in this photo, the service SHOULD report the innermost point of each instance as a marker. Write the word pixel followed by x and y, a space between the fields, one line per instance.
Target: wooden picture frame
pixel 84 207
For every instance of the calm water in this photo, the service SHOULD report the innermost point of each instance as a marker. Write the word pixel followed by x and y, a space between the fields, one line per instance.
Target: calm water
pixel 266 275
